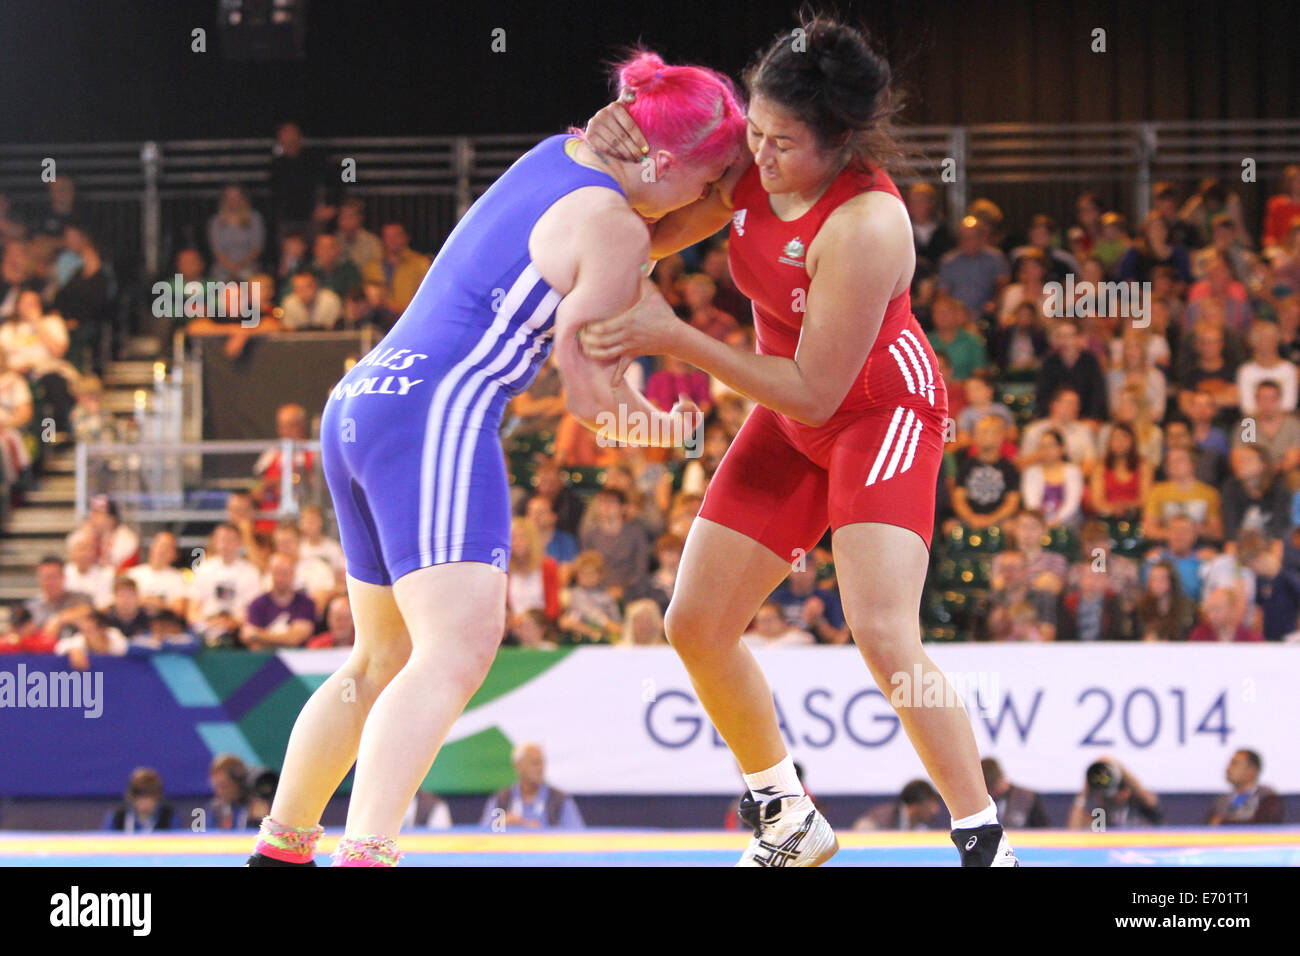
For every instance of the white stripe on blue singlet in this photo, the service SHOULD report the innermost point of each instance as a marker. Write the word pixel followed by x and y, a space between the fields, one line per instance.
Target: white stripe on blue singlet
pixel 469 441
pixel 430 480
pixel 457 508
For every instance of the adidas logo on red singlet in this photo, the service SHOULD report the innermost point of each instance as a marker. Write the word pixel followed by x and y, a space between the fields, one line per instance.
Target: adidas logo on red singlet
pixel 738 221
pixel 899 447
pixel 916 368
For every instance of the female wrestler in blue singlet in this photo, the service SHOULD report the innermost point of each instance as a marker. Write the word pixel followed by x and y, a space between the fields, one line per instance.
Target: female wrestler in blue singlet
pixel 409 443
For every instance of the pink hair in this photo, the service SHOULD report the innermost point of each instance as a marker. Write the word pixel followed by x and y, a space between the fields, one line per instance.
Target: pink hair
pixel 691 111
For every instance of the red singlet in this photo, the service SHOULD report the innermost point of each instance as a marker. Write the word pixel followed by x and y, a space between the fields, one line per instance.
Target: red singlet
pixel 877 458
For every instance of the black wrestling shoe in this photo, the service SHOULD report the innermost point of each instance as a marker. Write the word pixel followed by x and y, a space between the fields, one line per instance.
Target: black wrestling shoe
pixel 257 859
pixel 984 846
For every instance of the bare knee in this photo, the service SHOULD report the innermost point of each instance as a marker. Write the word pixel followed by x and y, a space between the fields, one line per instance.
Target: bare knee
pixel 887 642
pixel 695 633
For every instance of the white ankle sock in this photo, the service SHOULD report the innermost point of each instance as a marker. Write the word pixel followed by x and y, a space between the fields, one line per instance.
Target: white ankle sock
pixel 777 780
pixel 986 816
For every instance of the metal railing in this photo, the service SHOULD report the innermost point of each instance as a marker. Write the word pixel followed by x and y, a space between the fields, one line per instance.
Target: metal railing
pixel 137 194
pixel 155 483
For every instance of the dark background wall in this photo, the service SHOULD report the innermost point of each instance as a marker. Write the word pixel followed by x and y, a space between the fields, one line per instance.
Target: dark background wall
pixel 88 70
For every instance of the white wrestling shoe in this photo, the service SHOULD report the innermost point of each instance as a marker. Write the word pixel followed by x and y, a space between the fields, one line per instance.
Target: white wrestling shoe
pixel 984 846
pixel 788 831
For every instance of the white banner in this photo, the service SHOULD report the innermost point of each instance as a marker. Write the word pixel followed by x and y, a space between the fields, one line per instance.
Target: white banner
pixel 626 720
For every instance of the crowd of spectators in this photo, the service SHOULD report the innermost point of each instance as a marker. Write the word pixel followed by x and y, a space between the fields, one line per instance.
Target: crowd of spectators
pixel 1116 469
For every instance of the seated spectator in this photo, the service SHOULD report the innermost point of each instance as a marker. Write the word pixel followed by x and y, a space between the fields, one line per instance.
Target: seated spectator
pixel 236 236
pixel 1131 409
pixel 1028 573
pixel 717 266
pixel 1210 466
pixel 290 423
pixel 643 624
pixel 142 810
pixel 228 809
pixel 1078 440
pixel 1112 243
pixel 340 630
pixel 360 246
pixel 557 544
pixel 118 544
pixel 770 629
pixel 623 545
pixel 918 807
pixel 1113 798
pixel 1053 485
pixel 16 277
pixel 1282 209
pixel 535 631
pixel 1180 551
pixel 310 306
pixel 92 634
pixel 1155 247
pixel 974 271
pixel 364 307
pixel 1250 801
pixel 283 616
pixel 1255 497
pixel 1277 594
pixel 312 542
pixel 987 487
pixel 676 378
pixel 1134 367
pixel 1224 613
pixel 590 612
pixel 1206 368
pixel 224 586
pixel 56 606
pixel 400 270
pixel 310 575
pixel 334 270
pixel 659 587
pixel 980 401
pixel 1122 482
pixel 953 338
pixel 533 577
pixel 1182 494
pixel 1095 553
pixel 1070 366
pixel 84 572
pixel 549 484
pixel 427 811
pixel 930 233
pixel 293 259
pixel 15 415
pixel 530 802
pixel 1222 289
pixel 1165 612
pixel 88 419
pixel 161 586
pixel 1228 242
pixel 167 632
pixel 24 636
pixel 1022 344
pixel 83 302
pixel 1267 365
pixel 1030 268
pixel 807 607
pixel 541 408
pixel 1202 411
pixel 1018 807
pixel 254 534
pixel 1092 611
pixel 1272 428
pixel 35 345
pixel 698 291
pixel 126 613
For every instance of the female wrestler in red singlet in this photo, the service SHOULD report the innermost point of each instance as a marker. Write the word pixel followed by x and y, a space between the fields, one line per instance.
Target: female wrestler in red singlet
pixel 849 431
